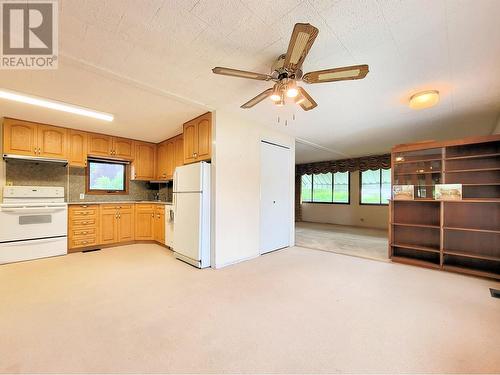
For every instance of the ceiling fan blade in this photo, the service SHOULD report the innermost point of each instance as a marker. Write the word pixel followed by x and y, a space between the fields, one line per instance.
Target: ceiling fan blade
pixel 305 101
pixel 257 99
pixel 338 74
pixel 302 39
pixel 241 74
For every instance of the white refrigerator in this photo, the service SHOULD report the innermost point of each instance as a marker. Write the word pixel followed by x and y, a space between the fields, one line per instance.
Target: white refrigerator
pixel 191 200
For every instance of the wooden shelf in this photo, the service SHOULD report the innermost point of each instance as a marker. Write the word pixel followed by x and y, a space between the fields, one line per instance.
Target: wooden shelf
pixel 472 170
pixel 465 231
pixel 417 161
pixel 471 271
pixel 477 156
pixel 415 173
pixel 470 255
pixel 417 225
pixel 416 247
pixel 414 262
pixel 473 230
pixel 485 184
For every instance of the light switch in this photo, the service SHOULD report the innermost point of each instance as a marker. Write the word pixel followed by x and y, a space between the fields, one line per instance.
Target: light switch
pixel 82 196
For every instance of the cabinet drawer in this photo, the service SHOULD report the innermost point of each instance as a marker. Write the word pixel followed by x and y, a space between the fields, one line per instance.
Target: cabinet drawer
pixel 82 213
pixel 83 232
pixel 117 206
pixel 78 222
pixel 83 242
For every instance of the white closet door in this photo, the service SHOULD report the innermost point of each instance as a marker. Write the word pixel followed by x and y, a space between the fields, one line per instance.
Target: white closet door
pixel 275 198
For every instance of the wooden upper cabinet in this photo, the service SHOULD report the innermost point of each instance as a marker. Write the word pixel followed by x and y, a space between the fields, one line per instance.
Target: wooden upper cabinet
pixel 100 144
pixel 170 159
pixel 77 155
pixel 123 148
pixel 20 137
pixel 161 161
pixel 52 141
pixel 179 151
pixel 204 125
pixel 144 163
pixel 190 140
pixel 198 139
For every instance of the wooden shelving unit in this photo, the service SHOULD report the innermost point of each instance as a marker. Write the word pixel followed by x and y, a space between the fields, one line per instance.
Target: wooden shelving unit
pixel 457 236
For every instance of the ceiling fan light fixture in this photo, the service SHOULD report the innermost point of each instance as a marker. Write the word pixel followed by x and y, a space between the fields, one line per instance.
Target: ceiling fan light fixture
pixel 424 99
pixel 276 95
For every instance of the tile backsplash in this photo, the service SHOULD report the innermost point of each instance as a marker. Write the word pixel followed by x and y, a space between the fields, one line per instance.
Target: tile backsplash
pixel 29 173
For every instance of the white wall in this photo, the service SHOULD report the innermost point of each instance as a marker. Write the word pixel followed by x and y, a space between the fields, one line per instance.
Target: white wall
pixel 352 214
pixel 236 186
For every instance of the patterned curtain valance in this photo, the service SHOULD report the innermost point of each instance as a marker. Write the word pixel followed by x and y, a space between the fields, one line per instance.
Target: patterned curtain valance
pixel 363 164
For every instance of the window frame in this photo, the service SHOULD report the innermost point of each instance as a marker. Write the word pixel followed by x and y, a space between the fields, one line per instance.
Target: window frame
pixel 126 174
pixel 380 189
pixel 333 184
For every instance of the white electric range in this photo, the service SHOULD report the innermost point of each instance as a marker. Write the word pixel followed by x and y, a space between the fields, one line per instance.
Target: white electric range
pixel 33 223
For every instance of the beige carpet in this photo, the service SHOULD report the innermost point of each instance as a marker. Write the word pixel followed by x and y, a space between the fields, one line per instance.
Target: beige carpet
pixel 342 239
pixel 136 309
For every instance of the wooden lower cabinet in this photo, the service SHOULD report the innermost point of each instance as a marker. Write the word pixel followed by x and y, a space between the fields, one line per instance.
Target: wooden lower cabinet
pixel 83 227
pixel 117 223
pixel 144 222
pixel 159 224
pixel 93 225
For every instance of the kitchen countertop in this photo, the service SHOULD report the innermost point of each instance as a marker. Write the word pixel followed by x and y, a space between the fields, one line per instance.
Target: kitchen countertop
pixel 119 202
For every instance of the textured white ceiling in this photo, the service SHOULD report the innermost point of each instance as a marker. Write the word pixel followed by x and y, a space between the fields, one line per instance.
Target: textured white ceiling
pixel 149 62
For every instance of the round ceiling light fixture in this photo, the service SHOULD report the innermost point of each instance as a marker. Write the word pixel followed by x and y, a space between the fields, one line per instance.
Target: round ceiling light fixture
pixel 424 99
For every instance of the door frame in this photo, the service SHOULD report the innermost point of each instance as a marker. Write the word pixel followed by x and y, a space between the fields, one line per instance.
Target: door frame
pixel 291 173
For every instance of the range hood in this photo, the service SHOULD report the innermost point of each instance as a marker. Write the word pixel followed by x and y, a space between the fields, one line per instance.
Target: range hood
pixel 36 159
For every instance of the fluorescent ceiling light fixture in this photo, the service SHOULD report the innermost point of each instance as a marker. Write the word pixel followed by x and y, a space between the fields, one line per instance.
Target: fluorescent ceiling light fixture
pixel 424 99
pixel 53 104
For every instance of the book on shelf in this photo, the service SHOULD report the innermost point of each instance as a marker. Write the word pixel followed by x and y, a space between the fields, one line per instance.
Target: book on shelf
pixel 448 192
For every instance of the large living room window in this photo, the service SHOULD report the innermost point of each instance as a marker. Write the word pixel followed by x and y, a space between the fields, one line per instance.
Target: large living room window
pixel 375 187
pixel 326 188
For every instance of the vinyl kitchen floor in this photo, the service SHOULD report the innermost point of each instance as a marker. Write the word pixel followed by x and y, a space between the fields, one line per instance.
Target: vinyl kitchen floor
pixel 137 309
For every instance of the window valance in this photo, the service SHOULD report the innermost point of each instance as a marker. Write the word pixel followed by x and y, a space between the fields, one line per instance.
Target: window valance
pixel 363 164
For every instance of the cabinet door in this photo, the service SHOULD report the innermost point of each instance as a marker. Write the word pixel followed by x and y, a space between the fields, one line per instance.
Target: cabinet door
pixel 123 148
pixel 159 234
pixel 204 125
pixel 161 161
pixel 109 225
pixel 77 148
pixel 170 159
pixel 52 142
pixel 144 162
pixel 126 225
pixel 19 137
pixel 144 222
pixel 100 144
pixel 179 151
pixel 190 136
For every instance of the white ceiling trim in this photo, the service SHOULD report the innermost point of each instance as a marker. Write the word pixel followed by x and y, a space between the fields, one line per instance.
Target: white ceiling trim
pixel 319 147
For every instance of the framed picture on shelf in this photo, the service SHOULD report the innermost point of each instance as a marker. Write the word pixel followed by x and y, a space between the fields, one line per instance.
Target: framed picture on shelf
pixel 403 192
pixel 448 192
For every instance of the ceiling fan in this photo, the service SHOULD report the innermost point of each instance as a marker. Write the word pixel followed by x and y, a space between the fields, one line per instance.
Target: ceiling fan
pixel 287 71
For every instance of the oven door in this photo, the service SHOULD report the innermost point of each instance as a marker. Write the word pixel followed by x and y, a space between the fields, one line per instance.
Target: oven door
pixel 23 222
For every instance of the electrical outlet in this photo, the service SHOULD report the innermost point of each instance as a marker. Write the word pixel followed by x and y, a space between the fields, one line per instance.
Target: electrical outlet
pixel 82 196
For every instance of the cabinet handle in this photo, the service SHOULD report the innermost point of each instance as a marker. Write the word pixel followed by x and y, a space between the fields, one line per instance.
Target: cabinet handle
pixel 85 232
pixel 84 206
pixel 195 155
pixel 84 222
